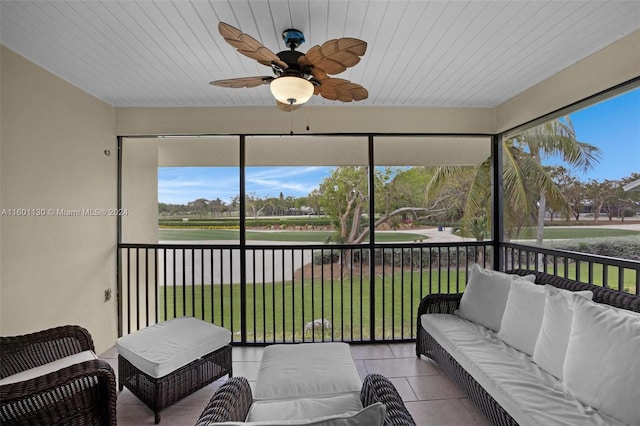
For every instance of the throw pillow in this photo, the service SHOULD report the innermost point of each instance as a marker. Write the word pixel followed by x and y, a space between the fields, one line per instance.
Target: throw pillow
pixel 522 316
pixel 485 296
pixel 553 339
pixel 602 366
pixel 373 415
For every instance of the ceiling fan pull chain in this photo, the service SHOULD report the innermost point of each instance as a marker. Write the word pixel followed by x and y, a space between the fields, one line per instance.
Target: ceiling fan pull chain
pixel 291 116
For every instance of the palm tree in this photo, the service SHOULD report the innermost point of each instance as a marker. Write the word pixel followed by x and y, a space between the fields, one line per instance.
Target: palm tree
pixel 555 138
pixel 526 185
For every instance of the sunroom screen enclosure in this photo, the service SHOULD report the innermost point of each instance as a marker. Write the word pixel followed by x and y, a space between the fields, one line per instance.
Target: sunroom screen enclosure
pixel 348 289
pixel 286 291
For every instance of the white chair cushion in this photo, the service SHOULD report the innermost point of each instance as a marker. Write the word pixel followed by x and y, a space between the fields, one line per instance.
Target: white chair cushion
pixel 553 338
pixel 373 415
pixel 304 408
pixel 602 366
pixel 50 367
pixel 164 347
pixel 306 369
pixel 485 296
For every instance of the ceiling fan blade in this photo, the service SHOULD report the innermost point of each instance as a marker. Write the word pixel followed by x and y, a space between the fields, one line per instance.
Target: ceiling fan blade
pixel 288 107
pixel 338 89
pixel 249 46
pixel 237 83
pixel 335 56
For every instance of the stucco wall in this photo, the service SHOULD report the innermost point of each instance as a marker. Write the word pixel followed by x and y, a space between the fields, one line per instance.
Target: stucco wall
pixel 609 67
pixel 55 268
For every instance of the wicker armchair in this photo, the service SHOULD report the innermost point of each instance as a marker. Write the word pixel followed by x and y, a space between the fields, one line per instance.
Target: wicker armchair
pixel 232 401
pixel 81 394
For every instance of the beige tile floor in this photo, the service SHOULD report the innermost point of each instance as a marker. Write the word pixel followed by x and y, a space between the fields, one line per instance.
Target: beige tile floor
pixel 431 398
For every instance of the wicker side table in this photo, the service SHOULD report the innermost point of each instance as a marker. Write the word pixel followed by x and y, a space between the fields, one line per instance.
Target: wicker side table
pixel 165 362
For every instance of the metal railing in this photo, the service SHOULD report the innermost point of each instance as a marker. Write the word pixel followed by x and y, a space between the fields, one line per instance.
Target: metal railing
pixel 292 293
pixel 618 274
pixel 310 293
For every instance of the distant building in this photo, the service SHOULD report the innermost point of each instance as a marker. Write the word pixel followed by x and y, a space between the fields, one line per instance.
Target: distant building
pixel 633 186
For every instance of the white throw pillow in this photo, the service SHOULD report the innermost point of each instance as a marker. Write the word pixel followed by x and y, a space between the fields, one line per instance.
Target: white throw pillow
pixel 602 366
pixel 522 316
pixel 373 415
pixel 485 296
pixel 553 338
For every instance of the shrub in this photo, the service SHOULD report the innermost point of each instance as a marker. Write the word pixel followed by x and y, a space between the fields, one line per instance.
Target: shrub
pixel 620 247
pixel 416 257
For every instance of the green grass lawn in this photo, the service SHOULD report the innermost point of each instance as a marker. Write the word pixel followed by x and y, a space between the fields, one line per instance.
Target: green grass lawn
pixel 290 236
pixel 556 233
pixel 612 275
pixel 278 312
pixel 550 233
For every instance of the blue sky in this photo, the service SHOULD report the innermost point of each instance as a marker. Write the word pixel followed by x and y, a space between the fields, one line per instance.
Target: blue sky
pixel 179 185
pixel 612 125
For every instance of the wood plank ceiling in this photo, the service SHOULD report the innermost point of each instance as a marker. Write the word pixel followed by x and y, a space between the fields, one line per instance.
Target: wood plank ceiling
pixel 420 53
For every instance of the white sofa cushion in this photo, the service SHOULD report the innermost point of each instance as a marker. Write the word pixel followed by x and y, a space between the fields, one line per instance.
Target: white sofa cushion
pixel 485 296
pixel 602 366
pixel 164 347
pixel 304 408
pixel 306 369
pixel 527 392
pixel 373 415
pixel 553 338
pixel 522 316
pixel 50 367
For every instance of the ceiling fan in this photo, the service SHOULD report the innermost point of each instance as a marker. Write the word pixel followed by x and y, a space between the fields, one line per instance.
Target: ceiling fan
pixel 299 75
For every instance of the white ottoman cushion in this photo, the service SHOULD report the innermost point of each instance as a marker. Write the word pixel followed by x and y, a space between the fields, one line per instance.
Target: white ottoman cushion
pixel 373 415
pixel 164 347
pixel 303 408
pixel 306 369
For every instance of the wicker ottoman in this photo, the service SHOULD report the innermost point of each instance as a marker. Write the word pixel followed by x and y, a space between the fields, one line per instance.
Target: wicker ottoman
pixel 307 370
pixel 167 361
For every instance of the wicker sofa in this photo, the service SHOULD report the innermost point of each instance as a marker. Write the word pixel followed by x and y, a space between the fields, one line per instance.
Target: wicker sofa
pixel 427 345
pixel 232 401
pixel 82 393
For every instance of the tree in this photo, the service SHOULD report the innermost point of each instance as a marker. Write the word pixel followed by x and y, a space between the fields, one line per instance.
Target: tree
pixel 527 187
pixel 576 193
pixel 254 204
pixel 600 194
pixel 629 202
pixel 554 138
pixel 343 195
pixel 562 179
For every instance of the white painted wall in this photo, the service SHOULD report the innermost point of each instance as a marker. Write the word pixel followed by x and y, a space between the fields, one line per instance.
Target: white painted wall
pixel 55 269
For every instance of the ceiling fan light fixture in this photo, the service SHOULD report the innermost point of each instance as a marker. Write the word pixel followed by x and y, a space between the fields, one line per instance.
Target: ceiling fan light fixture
pixel 291 90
